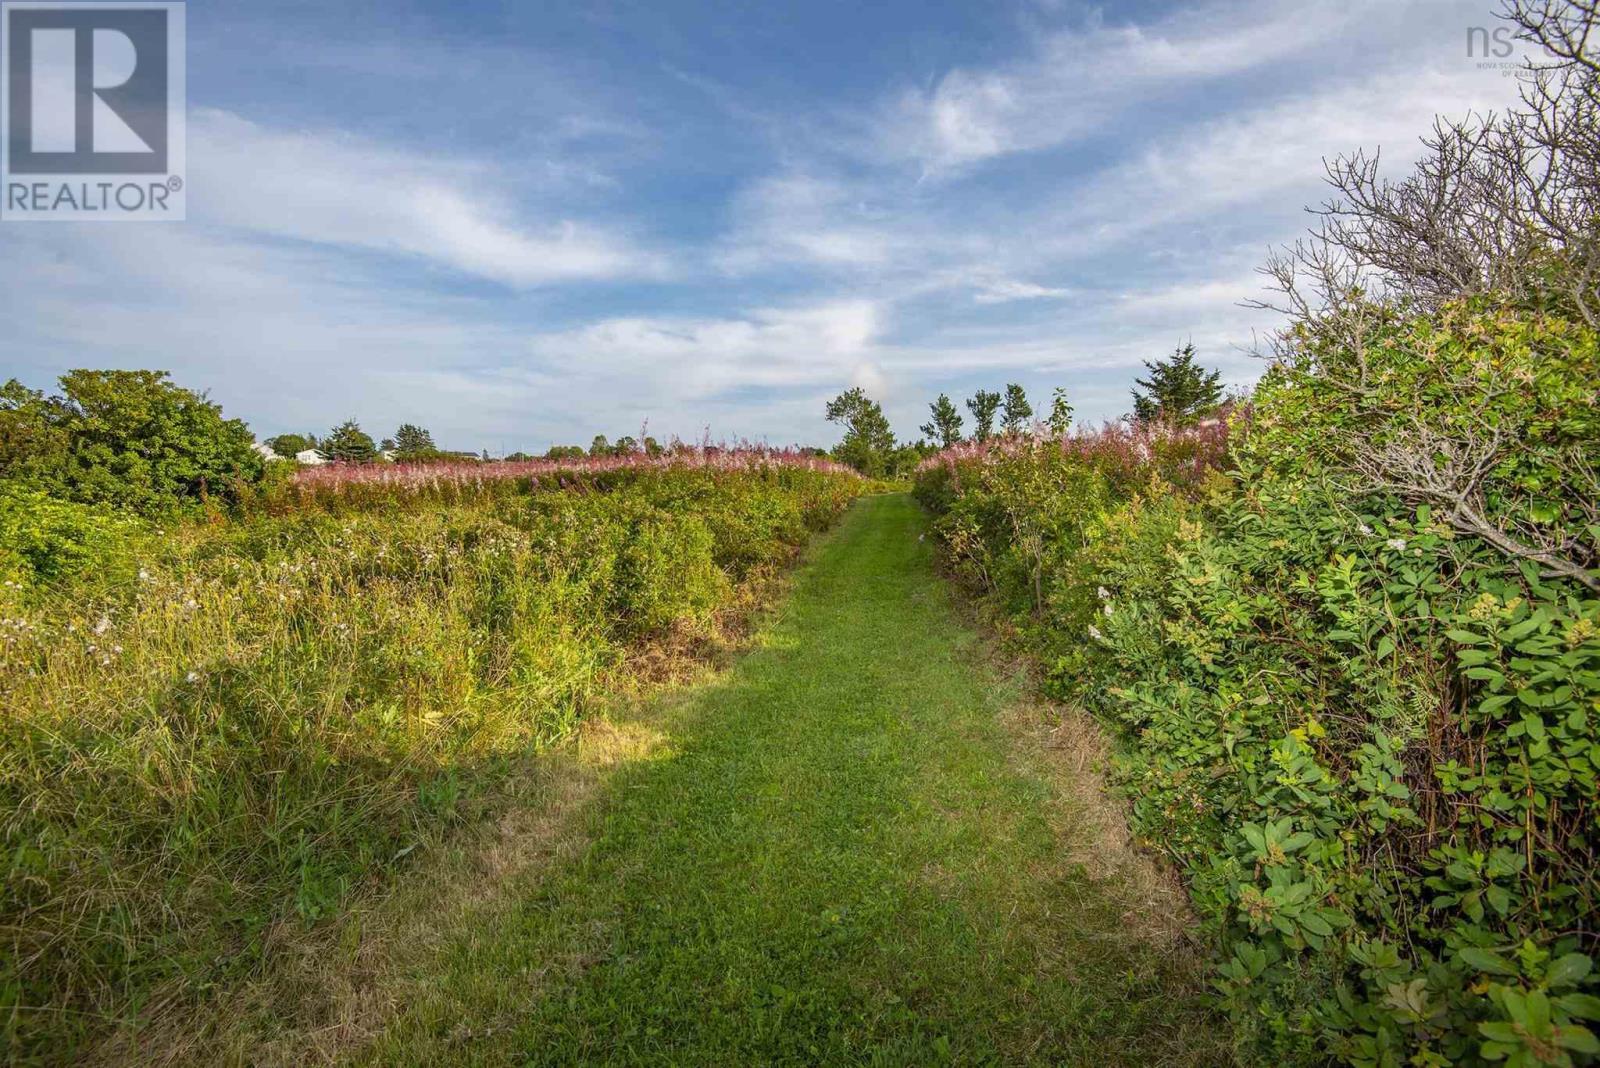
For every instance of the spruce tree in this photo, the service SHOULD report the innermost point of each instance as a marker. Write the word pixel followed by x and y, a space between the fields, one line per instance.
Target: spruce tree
pixel 1017 409
pixel 945 427
pixel 983 406
pixel 1178 390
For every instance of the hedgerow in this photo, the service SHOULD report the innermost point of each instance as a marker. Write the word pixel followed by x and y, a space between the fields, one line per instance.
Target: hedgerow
pixel 1354 666
pixel 251 716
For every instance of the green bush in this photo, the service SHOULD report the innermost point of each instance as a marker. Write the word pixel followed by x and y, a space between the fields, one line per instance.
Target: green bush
pixel 45 540
pixel 127 439
pixel 1357 683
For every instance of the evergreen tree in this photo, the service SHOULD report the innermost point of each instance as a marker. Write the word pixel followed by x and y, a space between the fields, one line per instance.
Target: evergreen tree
pixel 983 406
pixel 347 442
pixel 412 441
pixel 868 439
pixel 1178 390
pixel 1017 410
pixel 1060 413
pixel 945 427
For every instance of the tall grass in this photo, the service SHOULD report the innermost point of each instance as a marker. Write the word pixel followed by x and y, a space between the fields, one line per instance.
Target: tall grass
pixel 227 725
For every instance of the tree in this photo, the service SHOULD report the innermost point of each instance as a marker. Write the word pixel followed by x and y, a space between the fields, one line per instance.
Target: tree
pixel 132 439
pixel 349 444
pixel 945 427
pixel 1178 390
pixel 1017 409
pixel 1500 204
pixel 600 446
pixel 412 442
pixel 983 407
pixel 1060 413
pixel 868 438
pixel 290 445
pixel 33 442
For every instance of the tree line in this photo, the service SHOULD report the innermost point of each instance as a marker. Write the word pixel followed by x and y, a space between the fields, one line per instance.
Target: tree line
pixel 1178 390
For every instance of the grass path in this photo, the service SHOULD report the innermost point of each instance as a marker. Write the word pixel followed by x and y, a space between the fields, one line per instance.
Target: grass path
pixel 835 856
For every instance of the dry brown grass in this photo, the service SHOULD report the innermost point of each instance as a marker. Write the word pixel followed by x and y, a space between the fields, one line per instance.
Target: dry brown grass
pixel 1066 747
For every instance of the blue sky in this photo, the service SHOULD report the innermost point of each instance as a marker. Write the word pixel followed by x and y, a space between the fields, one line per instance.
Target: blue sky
pixel 520 224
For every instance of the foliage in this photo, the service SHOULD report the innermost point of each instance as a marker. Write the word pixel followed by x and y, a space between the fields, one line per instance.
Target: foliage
pixel 129 439
pixel 34 444
pixel 983 405
pixel 1364 725
pixel 253 716
pixel 412 442
pixel 348 443
pixel 944 428
pixel 289 446
pixel 1178 390
pixel 1016 412
pixel 44 539
pixel 1061 410
pixel 868 442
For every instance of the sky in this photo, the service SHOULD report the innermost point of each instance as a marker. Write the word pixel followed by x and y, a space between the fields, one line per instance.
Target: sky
pixel 524 224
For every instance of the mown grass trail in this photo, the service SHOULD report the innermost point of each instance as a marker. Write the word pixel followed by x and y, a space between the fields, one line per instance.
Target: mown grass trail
pixel 835 857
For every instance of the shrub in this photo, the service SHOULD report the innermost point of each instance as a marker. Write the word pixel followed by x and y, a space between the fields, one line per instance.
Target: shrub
pixel 45 540
pixel 128 439
pixel 1356 682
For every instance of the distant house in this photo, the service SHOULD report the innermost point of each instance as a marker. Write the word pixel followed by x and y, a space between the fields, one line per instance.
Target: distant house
pixel 265 451
pixel 310 457
pixel 386 455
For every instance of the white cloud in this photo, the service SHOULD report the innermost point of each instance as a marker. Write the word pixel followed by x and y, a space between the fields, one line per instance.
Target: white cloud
pixel 1004 290
pixel 333 189
pixel 1076 80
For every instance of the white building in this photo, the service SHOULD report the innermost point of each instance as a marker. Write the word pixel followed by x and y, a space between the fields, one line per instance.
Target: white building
pixel 264 451
pixel 310 457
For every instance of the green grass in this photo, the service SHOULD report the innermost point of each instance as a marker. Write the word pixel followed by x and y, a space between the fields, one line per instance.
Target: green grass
pixel 836 856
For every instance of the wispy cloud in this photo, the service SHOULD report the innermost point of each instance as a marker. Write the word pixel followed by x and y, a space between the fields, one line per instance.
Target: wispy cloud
pixel 1076 80
pixel 335 189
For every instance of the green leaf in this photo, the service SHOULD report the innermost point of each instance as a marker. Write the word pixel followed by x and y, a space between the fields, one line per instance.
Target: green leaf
pixel 1485 960
pixel 1584 1006
pixel 1569 970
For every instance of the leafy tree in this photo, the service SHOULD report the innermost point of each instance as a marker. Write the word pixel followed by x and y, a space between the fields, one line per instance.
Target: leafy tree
pixel 652 447
pixel 1178 390
pixel 1017 410
pixel 945 427
pixel 566 452
pixel 625 446
pixel 983 405
pixel 33 442
pixel 412 442
pixel 1060 413
pixel 600 446
pixel 130 439
pixel 288 445
pixel 348 443
pixel 868 438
